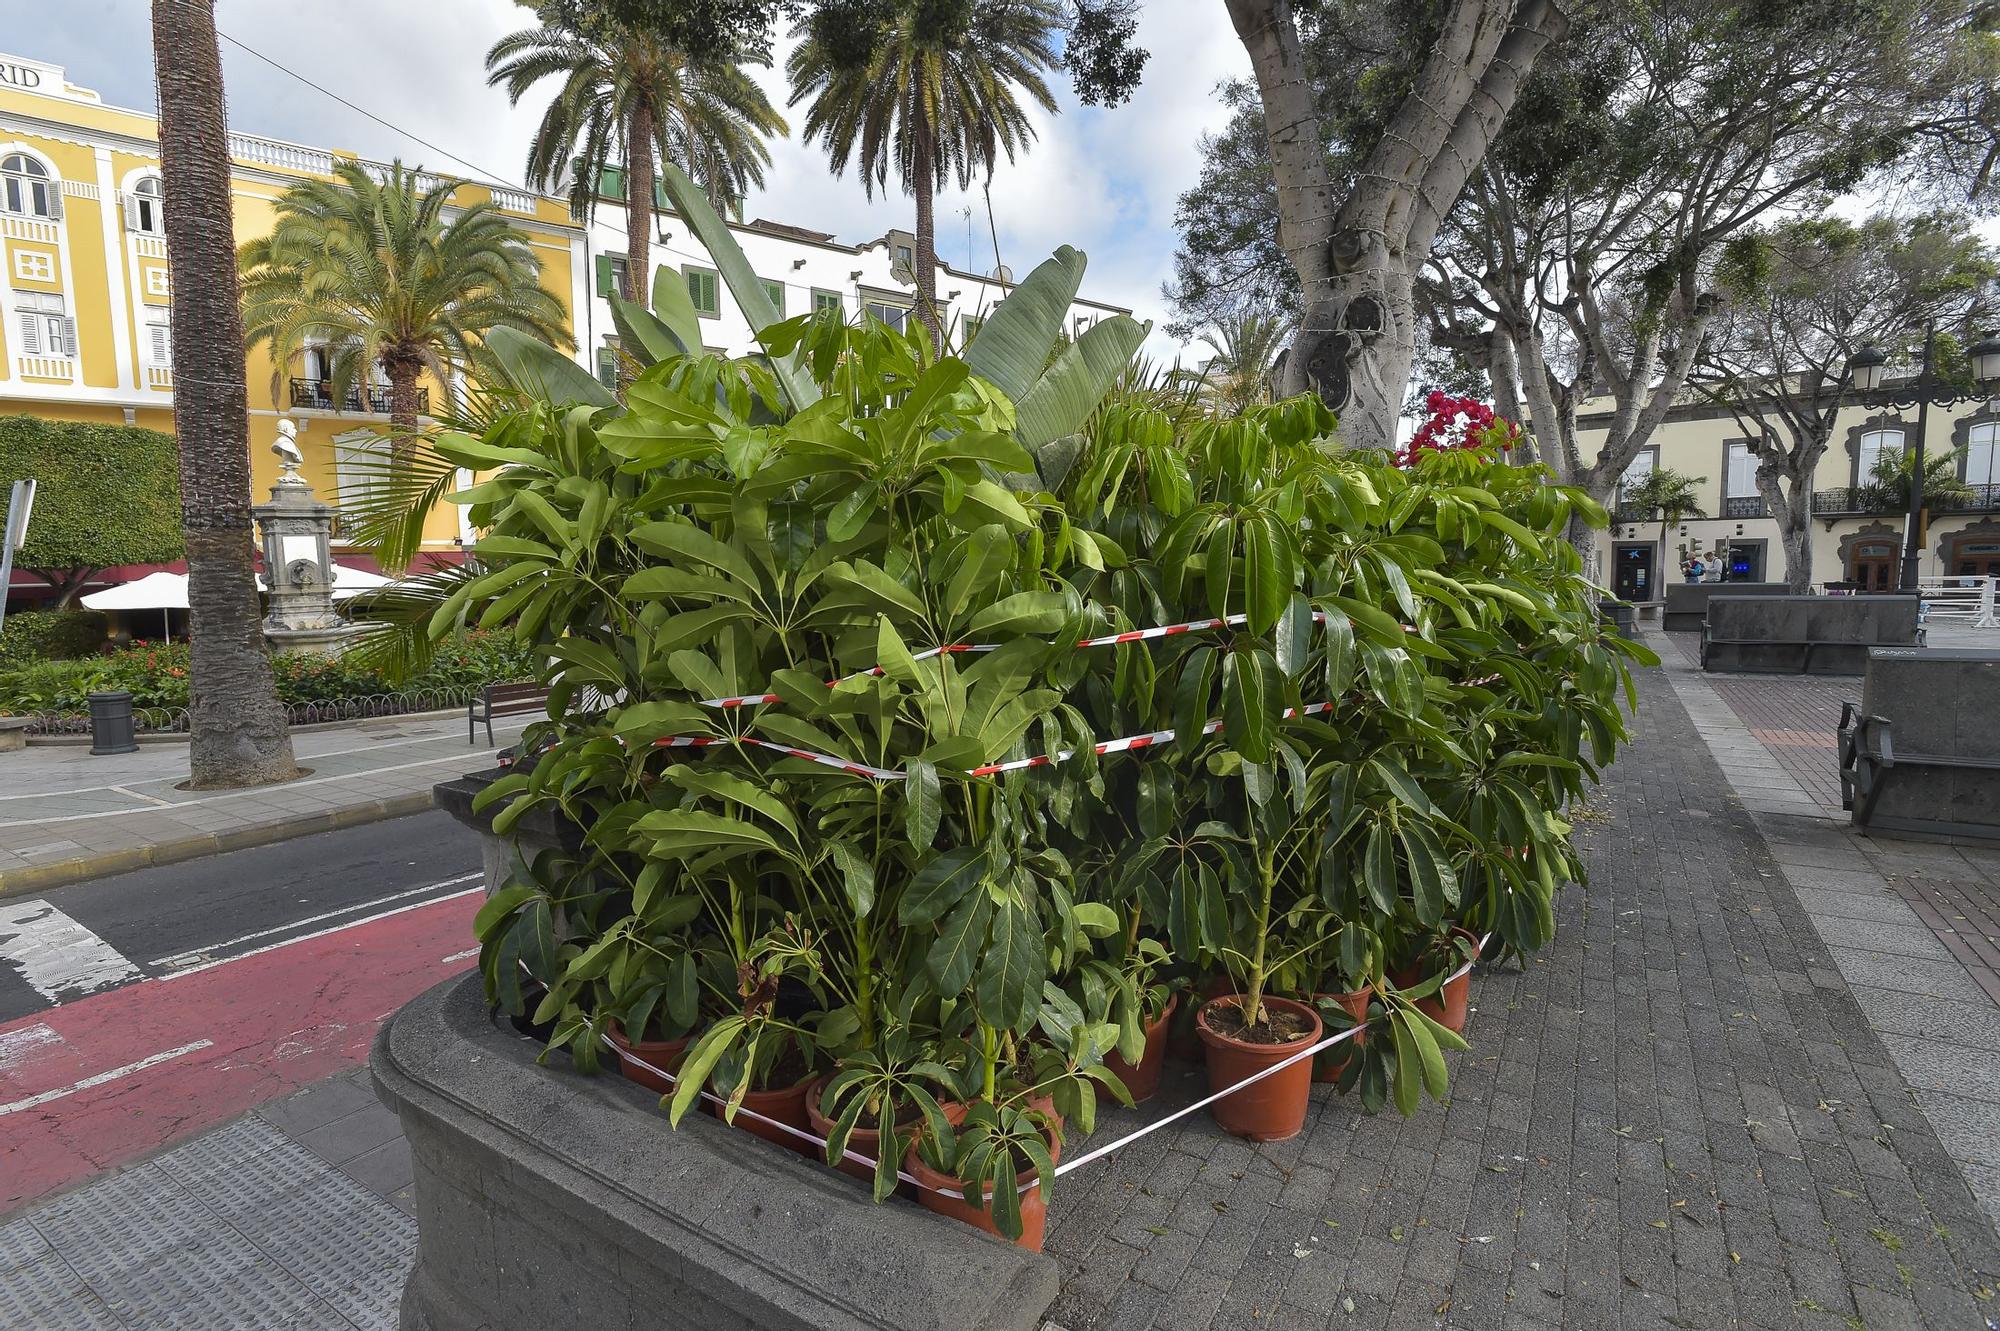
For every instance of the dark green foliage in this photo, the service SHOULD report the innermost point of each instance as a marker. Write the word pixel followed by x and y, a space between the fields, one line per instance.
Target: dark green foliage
pixel 49 635
pixel 109 494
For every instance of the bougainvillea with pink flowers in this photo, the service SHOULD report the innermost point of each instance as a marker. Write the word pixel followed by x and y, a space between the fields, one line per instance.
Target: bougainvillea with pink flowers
pixel 1458 423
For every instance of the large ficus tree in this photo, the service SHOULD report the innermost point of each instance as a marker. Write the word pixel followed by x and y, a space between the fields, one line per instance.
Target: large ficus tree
pixel 1814 292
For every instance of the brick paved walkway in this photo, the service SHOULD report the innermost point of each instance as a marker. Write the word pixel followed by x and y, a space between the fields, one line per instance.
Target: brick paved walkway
pixel 1677 1117
pixel 1794 716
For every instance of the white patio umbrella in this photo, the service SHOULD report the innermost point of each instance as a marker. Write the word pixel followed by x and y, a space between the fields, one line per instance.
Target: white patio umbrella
pixel 349 581
pixel 161 591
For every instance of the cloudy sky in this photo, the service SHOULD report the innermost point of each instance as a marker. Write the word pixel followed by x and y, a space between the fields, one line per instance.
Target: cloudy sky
pixel 1104 181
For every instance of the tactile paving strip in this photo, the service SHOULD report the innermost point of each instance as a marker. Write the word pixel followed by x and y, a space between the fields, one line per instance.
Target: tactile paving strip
pixel 348 1246
pixel 46 1295
pixel 20 1244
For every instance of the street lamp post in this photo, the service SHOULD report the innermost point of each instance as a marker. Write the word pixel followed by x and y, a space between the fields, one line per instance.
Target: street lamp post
pixel 1865 373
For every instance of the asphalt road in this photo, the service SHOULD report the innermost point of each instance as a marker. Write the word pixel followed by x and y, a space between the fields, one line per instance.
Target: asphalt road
pixel 162 920
pixel 138 1010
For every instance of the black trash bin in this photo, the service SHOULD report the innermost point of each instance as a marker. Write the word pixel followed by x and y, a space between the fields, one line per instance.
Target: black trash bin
pixel 111 723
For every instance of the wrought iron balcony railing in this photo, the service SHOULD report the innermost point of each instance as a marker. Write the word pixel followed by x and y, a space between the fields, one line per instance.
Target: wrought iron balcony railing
pixel 360 398
pixel 1877 499
pixel 1745 506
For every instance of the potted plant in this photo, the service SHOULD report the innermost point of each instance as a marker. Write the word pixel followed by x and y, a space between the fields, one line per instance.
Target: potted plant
pixel 986 1165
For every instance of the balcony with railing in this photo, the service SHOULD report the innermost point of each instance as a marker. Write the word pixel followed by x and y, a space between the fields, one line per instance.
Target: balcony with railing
pixel 370 398
pixel 46 369
pixel 1861 500
pixel 1745 506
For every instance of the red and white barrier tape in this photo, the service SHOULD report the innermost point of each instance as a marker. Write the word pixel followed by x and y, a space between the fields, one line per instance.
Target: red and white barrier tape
pixel 1075 1162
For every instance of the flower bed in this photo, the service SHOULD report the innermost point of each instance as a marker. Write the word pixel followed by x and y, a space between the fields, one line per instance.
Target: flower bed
pixel 312 687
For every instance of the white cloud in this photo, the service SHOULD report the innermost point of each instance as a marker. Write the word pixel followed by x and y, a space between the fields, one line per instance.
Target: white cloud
pixel 1102 180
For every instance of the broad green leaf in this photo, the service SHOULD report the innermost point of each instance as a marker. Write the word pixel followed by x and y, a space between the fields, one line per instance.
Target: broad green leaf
pixel 923 803
pixel 1010 968
pixel 647 337
pixel 857 876
pixel 1268 571
pixel 1070 390
pixel 745 287
pixel 1012 345
pixel 1033 613
pixel 940 884
pixel 538 369
pixel 958 946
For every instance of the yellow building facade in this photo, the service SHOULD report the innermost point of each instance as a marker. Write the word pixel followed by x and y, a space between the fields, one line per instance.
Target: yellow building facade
pixel 85 291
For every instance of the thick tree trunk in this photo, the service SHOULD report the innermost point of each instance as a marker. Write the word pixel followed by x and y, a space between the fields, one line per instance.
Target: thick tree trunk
pixel 638 203
pixel 238 729
pixel 65 582
pixel 924 171
pixel 1354 256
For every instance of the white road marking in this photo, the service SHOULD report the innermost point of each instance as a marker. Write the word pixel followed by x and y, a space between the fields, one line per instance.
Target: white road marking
pixel 59 957
pixel 17 1047
pixel 466 955
pixel 321 933
pixel 142 795
pixel 150 1060
pixel 201 954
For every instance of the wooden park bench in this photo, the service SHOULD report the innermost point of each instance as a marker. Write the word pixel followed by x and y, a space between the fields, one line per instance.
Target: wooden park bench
pixel 501 700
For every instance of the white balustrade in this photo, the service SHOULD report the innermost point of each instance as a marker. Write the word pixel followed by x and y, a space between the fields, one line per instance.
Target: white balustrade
pixel 149 247
pixel 286 156
pixel 57 369
pixel 40 230
pixel 161 377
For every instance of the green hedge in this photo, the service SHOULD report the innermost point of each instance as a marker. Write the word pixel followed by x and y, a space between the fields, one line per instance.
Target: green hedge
pixel 49 635
pixel 109 494
pixel 156 675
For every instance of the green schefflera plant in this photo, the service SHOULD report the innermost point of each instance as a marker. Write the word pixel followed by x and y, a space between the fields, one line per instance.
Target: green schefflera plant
pixel 796 607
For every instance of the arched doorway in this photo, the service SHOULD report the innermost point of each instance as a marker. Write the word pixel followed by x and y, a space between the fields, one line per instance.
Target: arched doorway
pixel 1873 562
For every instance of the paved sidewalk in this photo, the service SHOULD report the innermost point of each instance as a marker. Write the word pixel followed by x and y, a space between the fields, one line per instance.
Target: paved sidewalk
pixel 1913 927
pixel 1681 1115
pixel 294 1216
pixel 66 816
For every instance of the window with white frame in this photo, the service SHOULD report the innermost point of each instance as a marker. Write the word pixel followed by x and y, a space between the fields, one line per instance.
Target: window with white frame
pixel 1982 454
pixel 893 315
pixel 142 207
pixel 27 189
pixel 46 328
pixel 1874 446
pixel 359 460
pixel 159 338
pixel 1741 480
pixel 34 265
pixel 1636 474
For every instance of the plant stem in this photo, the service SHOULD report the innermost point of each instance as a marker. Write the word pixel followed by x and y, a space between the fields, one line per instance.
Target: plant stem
pixel 990 1054
pixel 1253 1009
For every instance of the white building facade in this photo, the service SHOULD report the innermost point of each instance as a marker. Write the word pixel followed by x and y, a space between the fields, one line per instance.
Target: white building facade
pixel 803 270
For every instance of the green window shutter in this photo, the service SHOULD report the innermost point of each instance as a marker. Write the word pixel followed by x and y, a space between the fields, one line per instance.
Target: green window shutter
pixel 776 291
pixel 606 285
pixel 702 292
pixel 607 367
pixel 611 183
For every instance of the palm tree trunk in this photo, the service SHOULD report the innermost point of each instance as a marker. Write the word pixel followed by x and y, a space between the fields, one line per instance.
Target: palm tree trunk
pixel 924 170
pixel 403 402
pixel 238 729
pixel 638 202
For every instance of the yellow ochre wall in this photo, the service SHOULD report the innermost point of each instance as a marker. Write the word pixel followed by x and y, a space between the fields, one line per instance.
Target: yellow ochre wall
pixel 111 277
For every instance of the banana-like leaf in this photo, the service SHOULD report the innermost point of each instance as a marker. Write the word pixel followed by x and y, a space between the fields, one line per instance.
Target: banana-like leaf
pixel 536 368
pixel 1063 398
pixel 645 337
pixel 1013 344
pixel 744 284
pixel 674 306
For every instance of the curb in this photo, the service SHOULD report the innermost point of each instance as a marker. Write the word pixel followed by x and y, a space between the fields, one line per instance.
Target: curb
pixel 42 877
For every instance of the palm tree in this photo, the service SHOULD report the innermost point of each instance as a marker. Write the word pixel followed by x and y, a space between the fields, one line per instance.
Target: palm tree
pixel 934 94
pixel 237 729
pixel 1674 495
pixel 624 91
pixel 1889 483
pixel 373 270
pixel 1238 376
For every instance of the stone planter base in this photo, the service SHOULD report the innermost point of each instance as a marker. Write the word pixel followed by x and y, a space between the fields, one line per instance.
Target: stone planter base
pixel 547 1201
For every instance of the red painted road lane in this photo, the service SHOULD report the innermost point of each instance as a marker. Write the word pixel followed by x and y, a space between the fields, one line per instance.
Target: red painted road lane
pixel 273 1022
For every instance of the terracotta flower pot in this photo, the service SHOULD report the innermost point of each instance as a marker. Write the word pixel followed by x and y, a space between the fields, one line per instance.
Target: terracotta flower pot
pixel 1034 1206
pixel 786 1105
pixel 1272 1109
pixel 666 1055
pixel 1328 1064
pixel 862 1141
pixel 1450 1006
pixel 1142 1081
